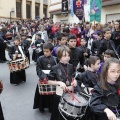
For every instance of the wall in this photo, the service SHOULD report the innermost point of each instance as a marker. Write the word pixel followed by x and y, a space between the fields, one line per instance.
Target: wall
pixel 68 19
pixel 6 6
pixel 109 10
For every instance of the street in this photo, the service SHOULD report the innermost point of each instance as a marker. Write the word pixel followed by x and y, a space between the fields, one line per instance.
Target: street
pixel 17 101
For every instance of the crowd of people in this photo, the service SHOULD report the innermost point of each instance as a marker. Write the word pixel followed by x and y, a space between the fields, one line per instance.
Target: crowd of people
pixel 82 56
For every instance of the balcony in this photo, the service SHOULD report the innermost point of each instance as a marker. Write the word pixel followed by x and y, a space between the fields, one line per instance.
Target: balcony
pixel 110 2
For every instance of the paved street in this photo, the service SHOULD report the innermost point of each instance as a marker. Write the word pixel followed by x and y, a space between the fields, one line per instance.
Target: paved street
pixel 17 101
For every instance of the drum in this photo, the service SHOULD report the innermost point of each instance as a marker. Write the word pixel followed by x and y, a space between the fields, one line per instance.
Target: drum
pixel 16 65
pixel 45 89
pixel 1 86
pixel 26 63
pixel 72 108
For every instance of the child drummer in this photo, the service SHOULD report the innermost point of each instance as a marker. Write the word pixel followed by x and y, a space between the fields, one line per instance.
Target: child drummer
pixel 15 53
pixel 61 75
pixel 44 62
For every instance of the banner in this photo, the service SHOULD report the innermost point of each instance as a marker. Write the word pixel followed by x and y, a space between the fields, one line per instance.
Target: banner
pixel 71 8
pixel 87 10
pixel 95 10
pixel 78 6
pixel 65 7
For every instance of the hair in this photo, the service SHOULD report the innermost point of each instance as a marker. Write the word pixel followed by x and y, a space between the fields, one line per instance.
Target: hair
pixel 104 73
pixel 106 29
pixel 48 45
pixel 17 38
pixel 66 30
pixel 61 50
pixel 92 60
pixel 60 35
pixel 71 36
pixel 109 52
pixel 99 33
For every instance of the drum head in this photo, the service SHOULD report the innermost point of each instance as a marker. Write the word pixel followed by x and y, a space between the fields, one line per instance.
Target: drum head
pixel 68 98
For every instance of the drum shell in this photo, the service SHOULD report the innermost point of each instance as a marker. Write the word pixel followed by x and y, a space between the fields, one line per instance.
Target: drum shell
pixel 71 110
pixel 45 89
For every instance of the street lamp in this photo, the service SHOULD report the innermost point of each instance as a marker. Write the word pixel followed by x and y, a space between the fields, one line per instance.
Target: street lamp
pixel 10 14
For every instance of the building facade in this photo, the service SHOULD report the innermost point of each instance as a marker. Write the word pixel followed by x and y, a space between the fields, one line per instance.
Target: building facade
pixel 110 11
pixel 23 9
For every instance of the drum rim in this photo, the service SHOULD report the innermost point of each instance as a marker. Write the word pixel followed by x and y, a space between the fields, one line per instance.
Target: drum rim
pixel 72 104
pixel 73 116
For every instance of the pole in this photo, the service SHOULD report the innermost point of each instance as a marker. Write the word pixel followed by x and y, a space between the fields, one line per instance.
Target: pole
pixel 10 15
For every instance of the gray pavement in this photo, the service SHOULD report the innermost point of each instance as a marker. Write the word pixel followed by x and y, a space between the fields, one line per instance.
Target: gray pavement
pixel 17 101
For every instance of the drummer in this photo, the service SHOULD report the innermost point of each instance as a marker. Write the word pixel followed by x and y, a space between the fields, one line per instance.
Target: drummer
pixel 61 75
pixel 44 62
pixel 16 53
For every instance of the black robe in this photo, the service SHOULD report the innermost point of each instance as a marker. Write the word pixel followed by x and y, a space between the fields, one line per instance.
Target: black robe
pixel 58 74
pixel 95 47
pixel 18 76
pixel 88 78
pixel 116 38
pixel 118 50
pixel 38 44
pixel 43 101
pixel 102 99
pixel 104 46
pixel 1 113
pixel 2 50
pixel 25 45
pixel 76 57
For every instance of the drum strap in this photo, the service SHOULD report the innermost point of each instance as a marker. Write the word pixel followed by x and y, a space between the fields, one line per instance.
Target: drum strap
pixel 19 47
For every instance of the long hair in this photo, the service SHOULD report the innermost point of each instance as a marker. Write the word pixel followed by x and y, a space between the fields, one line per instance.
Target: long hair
pixel 104 73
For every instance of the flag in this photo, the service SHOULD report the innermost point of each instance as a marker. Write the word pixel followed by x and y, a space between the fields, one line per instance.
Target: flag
pixel 87 10
pixel 71 8
pixel 78 6
pixel 65 7
pixel 95 10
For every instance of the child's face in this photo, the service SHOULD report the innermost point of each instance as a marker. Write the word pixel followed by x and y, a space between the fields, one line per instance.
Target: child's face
pixel 99 37
pixel 65 57
pixel 83 42
pixel 72 43
pixel 17 42
pixel 107 35
pixel 106 57
pixel 113 72
pixel 63 41
pixel 96 66
pixel 47 52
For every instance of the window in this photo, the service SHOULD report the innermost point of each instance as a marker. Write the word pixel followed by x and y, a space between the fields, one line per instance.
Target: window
pixel 36 11
pixel 28 11
pixel 45 11
pixel 18 10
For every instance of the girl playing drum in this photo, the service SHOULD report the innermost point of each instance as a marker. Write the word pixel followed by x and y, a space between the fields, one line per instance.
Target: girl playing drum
pixel 61 75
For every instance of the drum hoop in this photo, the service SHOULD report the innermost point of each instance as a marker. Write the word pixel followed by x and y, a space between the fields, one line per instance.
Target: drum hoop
pixel 74 116
pixel 72 104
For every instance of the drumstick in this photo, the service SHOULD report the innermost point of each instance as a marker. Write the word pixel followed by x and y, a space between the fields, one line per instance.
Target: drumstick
pixel 72 89
pixel 72 95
